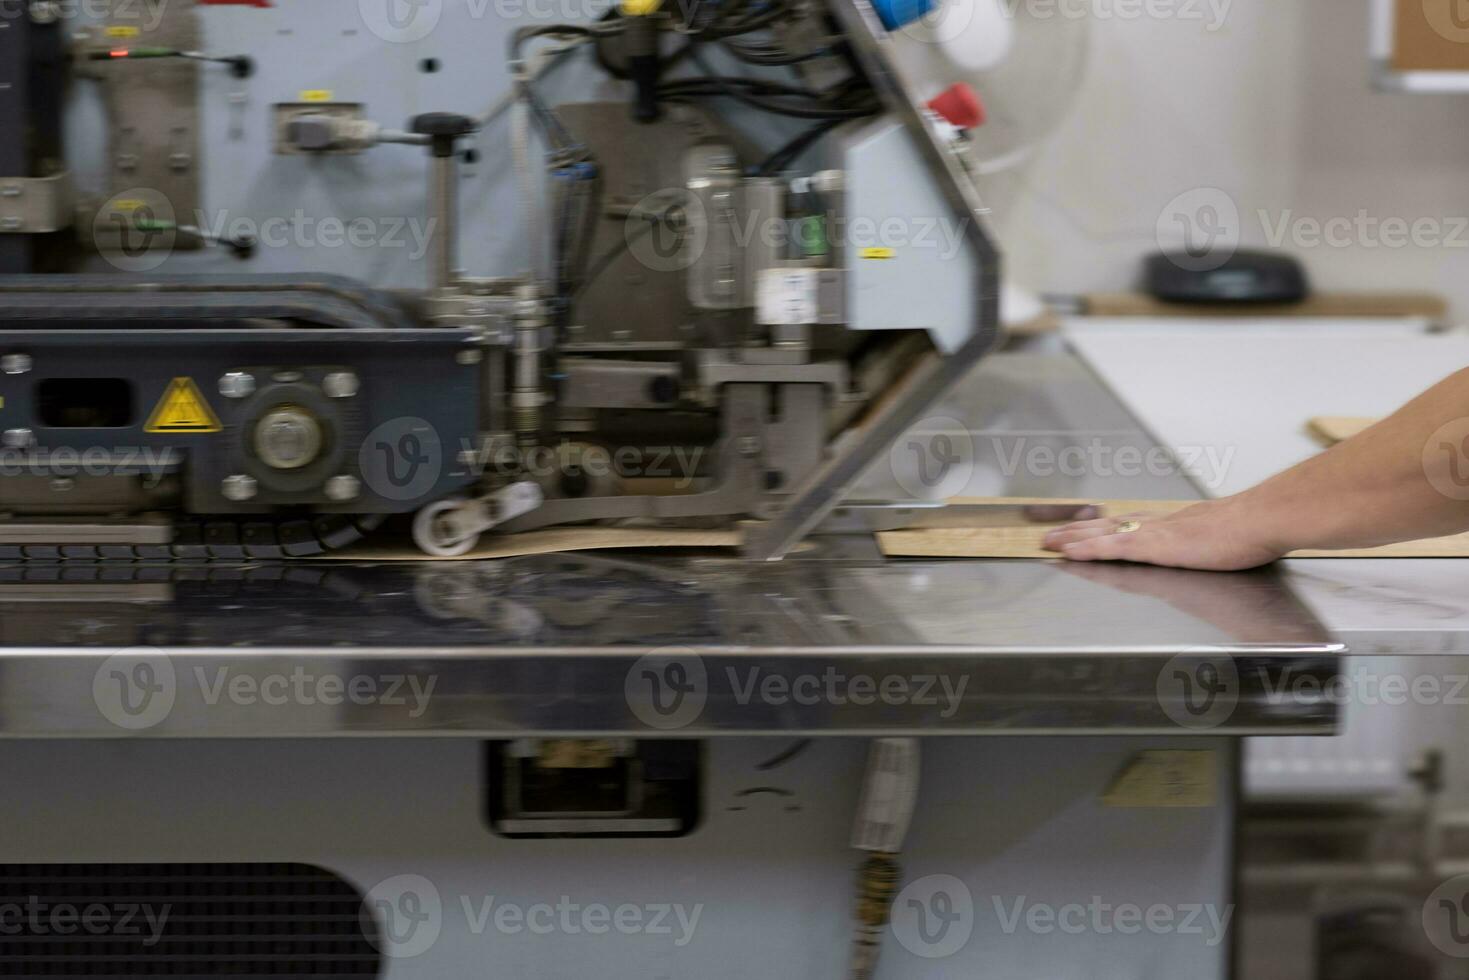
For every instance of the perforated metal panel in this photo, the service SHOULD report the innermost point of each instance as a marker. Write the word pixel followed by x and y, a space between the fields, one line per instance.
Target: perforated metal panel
pixel 181 920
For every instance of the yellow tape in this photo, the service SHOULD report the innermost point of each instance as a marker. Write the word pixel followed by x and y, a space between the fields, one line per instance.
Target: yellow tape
pixel 879 253
pixel 123 31
pixel 316 95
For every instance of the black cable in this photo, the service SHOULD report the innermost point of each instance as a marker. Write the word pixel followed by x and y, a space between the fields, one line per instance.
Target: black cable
pixel 556 134
pixel 792 150
pixel 780 109
pixel 769 57
pixel 710 84
pixel 604 262
pixel 722 82
pixel 718 31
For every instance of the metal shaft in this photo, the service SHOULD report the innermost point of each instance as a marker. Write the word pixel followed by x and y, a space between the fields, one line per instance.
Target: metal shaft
pixel 444 239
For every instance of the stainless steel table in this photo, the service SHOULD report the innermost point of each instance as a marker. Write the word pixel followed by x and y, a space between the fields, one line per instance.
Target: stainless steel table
pixel 580 643
pixel 563 644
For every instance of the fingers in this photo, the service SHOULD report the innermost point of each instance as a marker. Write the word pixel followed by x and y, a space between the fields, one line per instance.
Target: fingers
pixel 1080 531
pixel 1107 547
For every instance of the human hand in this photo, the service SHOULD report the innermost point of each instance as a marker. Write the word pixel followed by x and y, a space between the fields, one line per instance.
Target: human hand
pixel 1215 536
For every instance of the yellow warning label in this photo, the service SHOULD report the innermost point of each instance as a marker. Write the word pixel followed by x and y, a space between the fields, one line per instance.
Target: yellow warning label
pixel 879 253
pixel 316 95
pixel 121 31
pixel 128 204
pixel 182 409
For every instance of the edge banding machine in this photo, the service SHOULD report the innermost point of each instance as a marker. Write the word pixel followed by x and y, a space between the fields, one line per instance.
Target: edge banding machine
pixel 273 415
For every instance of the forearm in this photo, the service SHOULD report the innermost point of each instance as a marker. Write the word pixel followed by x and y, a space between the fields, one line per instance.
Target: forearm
pixel 1400 480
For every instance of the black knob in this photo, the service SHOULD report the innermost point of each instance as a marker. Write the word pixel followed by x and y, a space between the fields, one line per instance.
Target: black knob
pixel 442 128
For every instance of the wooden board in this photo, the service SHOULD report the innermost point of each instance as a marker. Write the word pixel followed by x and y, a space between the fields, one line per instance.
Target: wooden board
pixel 1327 305
pixel 1011 538
pixel 1332 429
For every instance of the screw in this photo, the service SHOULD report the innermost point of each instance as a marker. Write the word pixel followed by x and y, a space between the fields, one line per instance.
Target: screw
pixel 748 445
pixel 343 488
pixel 340 384
pixel 15 363
pixel 468 357
pixel 237 384
pixel 238 487
pixel 17 438
pixel 62 484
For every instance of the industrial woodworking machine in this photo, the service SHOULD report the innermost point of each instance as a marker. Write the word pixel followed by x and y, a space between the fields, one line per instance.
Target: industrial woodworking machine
pixel 727 283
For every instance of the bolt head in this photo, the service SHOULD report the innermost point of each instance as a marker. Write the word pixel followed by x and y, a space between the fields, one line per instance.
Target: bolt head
pixel 17 438
pixel 343 488
pixel 237 384
pixel 287 438
pixel 341 384
pixel 238 487
pixel 16 363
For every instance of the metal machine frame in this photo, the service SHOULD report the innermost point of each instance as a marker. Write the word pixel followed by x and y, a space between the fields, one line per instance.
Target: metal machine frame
pixel 507 332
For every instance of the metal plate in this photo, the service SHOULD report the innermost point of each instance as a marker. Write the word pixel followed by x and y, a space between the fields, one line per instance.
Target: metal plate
pixel 582 643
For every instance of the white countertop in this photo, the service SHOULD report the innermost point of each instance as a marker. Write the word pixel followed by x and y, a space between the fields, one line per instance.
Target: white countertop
pixel 1243 390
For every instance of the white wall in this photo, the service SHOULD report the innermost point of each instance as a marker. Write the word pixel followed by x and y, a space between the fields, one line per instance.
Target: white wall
pixel 1275 109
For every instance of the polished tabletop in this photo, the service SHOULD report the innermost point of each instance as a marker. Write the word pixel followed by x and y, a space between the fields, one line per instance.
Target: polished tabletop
pixel 559 643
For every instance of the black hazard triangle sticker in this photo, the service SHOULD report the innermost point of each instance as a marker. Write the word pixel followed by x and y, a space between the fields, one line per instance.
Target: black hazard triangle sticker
pixel 182 409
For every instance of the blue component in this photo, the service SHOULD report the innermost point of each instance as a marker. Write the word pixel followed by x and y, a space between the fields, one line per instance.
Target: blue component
pixel 897 13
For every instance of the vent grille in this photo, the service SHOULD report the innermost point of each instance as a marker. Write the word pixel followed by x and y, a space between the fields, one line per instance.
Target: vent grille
pixel 181 920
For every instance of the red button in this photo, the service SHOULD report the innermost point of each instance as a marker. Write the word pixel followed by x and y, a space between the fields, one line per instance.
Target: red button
pixel 959 105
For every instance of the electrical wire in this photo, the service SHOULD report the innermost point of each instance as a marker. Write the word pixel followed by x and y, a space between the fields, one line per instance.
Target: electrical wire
pixel 761 94
pixel 768 55
pixel 791 151
pixel 604 262
pixel 577 205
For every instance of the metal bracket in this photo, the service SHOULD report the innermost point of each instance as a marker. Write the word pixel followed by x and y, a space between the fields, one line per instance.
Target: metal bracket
pixel 37 205
pixel 928 380
pixel 718 367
